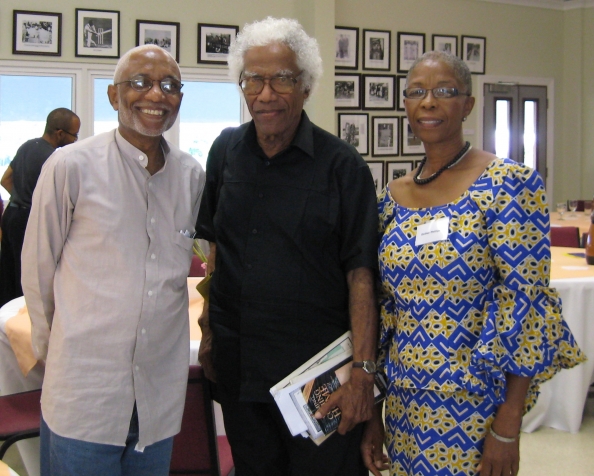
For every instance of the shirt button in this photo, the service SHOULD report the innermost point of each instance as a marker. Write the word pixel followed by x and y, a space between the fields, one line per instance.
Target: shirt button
pixel 268 162
pixel 153 256
pixel 136 367
pixel 150 293
pixel 143 331
pixel 140 157
pixel 152 220
pixel 150 184
pixel 254 231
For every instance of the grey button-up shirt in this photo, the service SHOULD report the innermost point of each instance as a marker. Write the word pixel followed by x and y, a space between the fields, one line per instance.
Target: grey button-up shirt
pixel 105 262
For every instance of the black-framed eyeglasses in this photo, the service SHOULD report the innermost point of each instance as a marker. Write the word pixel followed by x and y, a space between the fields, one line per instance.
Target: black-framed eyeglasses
pixel 282 83
pixel 143 84
pixel 70 133
pixel 438 93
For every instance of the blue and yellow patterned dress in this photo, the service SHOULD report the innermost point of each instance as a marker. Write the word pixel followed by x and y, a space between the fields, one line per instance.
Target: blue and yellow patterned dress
pixel 461 313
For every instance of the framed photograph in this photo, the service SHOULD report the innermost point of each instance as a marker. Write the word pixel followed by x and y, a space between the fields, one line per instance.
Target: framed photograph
pixel 445 43
pixel 214 42
pixel 418 162
pixel 410 47
pixel 36 33
pixel 354 129
pixel 160 33
pixel 385 136
pixel 474 49
pixel 377 172
pixel 397 168
pixel 346 42
pixel 347 91
pixel 401 87
pixel 411 144
pixel 378 92
pixel 376 50
pixel 97 33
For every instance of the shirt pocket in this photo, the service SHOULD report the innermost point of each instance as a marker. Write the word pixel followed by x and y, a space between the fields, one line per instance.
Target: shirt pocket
pixel 181 256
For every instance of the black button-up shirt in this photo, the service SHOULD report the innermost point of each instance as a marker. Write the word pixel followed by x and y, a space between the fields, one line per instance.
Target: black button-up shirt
pixel 287 231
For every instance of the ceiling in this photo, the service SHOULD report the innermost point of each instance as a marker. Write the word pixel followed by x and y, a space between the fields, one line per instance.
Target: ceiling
pixel 553 4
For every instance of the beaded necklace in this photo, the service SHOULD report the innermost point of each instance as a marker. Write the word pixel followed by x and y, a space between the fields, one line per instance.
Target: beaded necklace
pixel 459 156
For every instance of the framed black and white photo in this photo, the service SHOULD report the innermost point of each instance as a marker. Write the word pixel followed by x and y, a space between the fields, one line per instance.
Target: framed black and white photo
pixel 378 92
pixel 160 33
pixel 346 40
pixel 397 168
pixel 445 43
pixel 97 33
pixel 410 47
pixel 354 129
pixel 214 42
pixel 36 33
pixel 385 133
pixel 401 87
pixel 376 50
pixel 474 49
pixel 377 172
pixel 411 144
pixel 347 91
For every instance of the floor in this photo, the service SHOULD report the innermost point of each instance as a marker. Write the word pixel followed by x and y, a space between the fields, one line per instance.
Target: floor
pixel 545 452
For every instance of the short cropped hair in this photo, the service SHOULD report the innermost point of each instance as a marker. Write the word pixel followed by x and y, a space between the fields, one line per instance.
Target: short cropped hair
pixel 59 119
pixel 125 60
pixel 278 30
pixel 459 67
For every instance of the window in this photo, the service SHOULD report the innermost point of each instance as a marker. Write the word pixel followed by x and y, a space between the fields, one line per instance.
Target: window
pixel 25 102
pixel 105 118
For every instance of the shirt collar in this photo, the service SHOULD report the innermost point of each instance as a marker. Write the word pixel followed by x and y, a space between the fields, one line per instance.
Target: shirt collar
pixel 136 155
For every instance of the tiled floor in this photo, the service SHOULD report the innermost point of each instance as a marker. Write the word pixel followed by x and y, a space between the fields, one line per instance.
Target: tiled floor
pixel 545 452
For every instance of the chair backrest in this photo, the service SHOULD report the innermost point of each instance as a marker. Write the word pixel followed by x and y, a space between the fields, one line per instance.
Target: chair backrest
pixel 565 236
pixel 195 447
pixel 20 417
pixel 196 269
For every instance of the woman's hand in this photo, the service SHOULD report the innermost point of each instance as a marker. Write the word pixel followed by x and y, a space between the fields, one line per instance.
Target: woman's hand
pixel 372 443
pixel 499 458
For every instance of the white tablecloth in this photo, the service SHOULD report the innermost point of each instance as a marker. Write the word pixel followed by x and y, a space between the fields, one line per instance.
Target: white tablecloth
pixel 562 399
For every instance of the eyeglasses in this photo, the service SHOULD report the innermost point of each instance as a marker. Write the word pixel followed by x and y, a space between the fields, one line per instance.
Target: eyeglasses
pixel 69 133
pixel 143 84
pixel 281 84
pixel 438 93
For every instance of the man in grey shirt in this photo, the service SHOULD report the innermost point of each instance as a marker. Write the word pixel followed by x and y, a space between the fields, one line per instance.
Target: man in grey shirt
pixel 105 260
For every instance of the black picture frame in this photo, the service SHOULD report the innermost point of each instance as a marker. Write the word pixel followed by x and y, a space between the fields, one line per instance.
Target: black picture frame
pixel 354 129
pixel 378 91
pixel 397 168
pixel 347 91
pixel 410 47
pixel 162 33
pixel 401 80
pixel 474 53
pixel 377 172
pixel 411 145
pixel 377 54
pixel 445 43
pixel 97 33
pixel 214 41
pixel 385 134
pixel 36 33
pixel 346 51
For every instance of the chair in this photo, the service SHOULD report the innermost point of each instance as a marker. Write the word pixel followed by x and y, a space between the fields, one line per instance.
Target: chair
pixel 565 236
pixel 196 269
pixel 580 205
pixel 20 417
pixel 196 448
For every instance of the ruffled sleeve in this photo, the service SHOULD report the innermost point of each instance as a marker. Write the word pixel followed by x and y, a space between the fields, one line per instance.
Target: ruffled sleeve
pixel 523 331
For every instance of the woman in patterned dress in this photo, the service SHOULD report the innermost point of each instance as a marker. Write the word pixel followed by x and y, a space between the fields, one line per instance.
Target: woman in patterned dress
pixel 470 328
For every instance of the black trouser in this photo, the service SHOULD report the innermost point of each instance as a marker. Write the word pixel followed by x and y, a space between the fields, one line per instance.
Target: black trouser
pixel 14 223
pixel 262 445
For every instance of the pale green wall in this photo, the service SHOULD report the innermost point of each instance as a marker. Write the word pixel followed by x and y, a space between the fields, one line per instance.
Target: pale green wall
pixel 521 41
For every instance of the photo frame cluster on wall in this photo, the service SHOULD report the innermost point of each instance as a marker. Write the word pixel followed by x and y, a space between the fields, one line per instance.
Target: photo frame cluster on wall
pixel 97 35
pixel 381 91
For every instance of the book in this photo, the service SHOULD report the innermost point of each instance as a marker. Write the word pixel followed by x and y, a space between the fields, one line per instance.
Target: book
pixel 305 390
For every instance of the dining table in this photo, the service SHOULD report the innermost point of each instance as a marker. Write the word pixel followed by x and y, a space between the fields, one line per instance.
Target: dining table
pixel 20 371
pixel 562 399
pixel 579 219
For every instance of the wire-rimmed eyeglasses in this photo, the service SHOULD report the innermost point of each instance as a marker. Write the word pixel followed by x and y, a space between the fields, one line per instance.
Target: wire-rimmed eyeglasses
pixel 438 93
pixel 282 83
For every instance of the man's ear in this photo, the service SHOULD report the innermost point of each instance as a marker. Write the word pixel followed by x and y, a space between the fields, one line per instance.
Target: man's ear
pixel 114 99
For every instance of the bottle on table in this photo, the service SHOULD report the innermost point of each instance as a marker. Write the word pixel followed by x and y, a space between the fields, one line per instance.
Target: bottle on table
pixel 590 241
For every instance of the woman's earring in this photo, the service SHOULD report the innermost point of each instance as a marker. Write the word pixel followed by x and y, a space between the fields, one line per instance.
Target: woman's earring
pixel 463 119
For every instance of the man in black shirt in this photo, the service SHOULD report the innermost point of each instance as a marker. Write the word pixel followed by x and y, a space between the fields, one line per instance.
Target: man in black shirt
pixel 290 213
pixel 19 180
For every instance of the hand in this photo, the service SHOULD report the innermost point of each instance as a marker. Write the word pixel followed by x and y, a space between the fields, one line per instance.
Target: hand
pixel 355 400
pixel 205 351
pixel 371 444
pixel 499 459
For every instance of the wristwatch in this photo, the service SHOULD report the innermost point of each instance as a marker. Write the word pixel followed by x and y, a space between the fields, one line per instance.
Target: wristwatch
pixel 367 365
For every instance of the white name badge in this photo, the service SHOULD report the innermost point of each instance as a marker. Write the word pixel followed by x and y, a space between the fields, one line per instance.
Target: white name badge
pixel 435 230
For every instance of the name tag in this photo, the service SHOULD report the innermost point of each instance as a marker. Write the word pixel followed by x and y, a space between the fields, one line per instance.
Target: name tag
pixel 435 230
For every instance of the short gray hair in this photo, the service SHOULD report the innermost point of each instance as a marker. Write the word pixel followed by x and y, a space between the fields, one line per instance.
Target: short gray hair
pixel 285 31
pixel 125 60
pixel 459 67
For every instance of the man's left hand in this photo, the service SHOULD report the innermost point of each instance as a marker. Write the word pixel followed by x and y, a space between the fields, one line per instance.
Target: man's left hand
pixel 355 400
